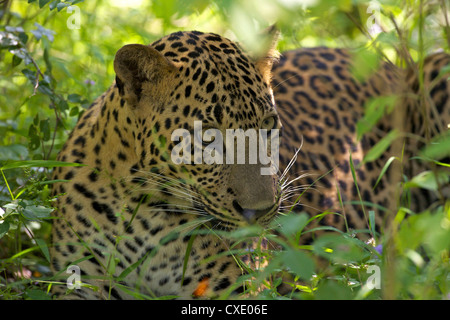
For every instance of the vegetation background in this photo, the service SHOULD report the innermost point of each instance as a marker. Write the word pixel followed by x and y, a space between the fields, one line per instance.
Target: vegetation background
pixel 56 58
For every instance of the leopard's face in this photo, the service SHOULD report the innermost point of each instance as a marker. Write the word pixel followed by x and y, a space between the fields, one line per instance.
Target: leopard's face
pixel 190 95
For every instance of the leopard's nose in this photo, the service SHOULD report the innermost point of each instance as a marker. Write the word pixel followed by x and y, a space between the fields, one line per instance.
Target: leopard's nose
pixel 252 215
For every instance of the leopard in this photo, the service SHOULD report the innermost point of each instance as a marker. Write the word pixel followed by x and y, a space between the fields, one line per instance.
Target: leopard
pixel 130 209
pixel 321 102
pixel 125 210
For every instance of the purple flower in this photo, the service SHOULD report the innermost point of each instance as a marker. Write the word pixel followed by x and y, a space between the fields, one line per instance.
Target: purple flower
pixel 89 81
pixel 379 248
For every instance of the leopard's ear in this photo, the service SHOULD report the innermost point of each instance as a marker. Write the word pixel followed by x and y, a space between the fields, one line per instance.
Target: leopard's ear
pixel 141 70
pixel 265 58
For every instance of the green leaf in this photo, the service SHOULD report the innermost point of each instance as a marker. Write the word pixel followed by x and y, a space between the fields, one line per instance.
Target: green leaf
pixel 428 229
pixel 428 180
pixel 47 60
pixel 374 109
pixel 75 98
pixel 62 104
pixel 438 149
pixel 36 119
pixel 299 263
pixel 36 294
pixel 365 63
pixel 74 111
pixel 388 38
pixel 45 89
pixel 4 228
pixel 43 3
pixel 383 171
pixel 332 290
pixel 340 248
pixel 291 224
pixel 34 212
pixel 19 55
pixel 16 60
pixel 62 5
pixel 245 232
pixel 53 4
pixel 33 137
pixel 132 267
pixel 44 248
pixel 44 127
pixel 382 145
pixel 372 223
pixel 13 152
pixel 39 163
pixel 187 254
pixel 41 31
pixel 30 75
pixel 23 38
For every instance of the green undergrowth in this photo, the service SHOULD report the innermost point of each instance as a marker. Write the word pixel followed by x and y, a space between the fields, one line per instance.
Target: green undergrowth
pixel 411 262
pixel 51 71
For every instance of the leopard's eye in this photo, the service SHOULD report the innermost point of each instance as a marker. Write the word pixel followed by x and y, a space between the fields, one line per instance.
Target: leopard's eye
pixel 269 123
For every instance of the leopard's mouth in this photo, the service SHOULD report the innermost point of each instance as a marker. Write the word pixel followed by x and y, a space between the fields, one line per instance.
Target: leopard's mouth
pixel 253 215
pixel 247 216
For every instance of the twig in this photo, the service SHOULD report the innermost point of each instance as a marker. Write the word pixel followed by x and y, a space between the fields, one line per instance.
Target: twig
pixel 36 86
pixel 368 35
pixel 403 50
pixel 38 73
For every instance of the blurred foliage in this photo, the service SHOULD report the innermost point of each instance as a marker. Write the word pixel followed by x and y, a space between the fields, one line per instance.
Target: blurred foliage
pixel 56 58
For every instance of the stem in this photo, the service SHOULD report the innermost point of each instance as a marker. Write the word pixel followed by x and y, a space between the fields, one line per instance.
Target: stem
pixel 7 185
pixel 447 24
